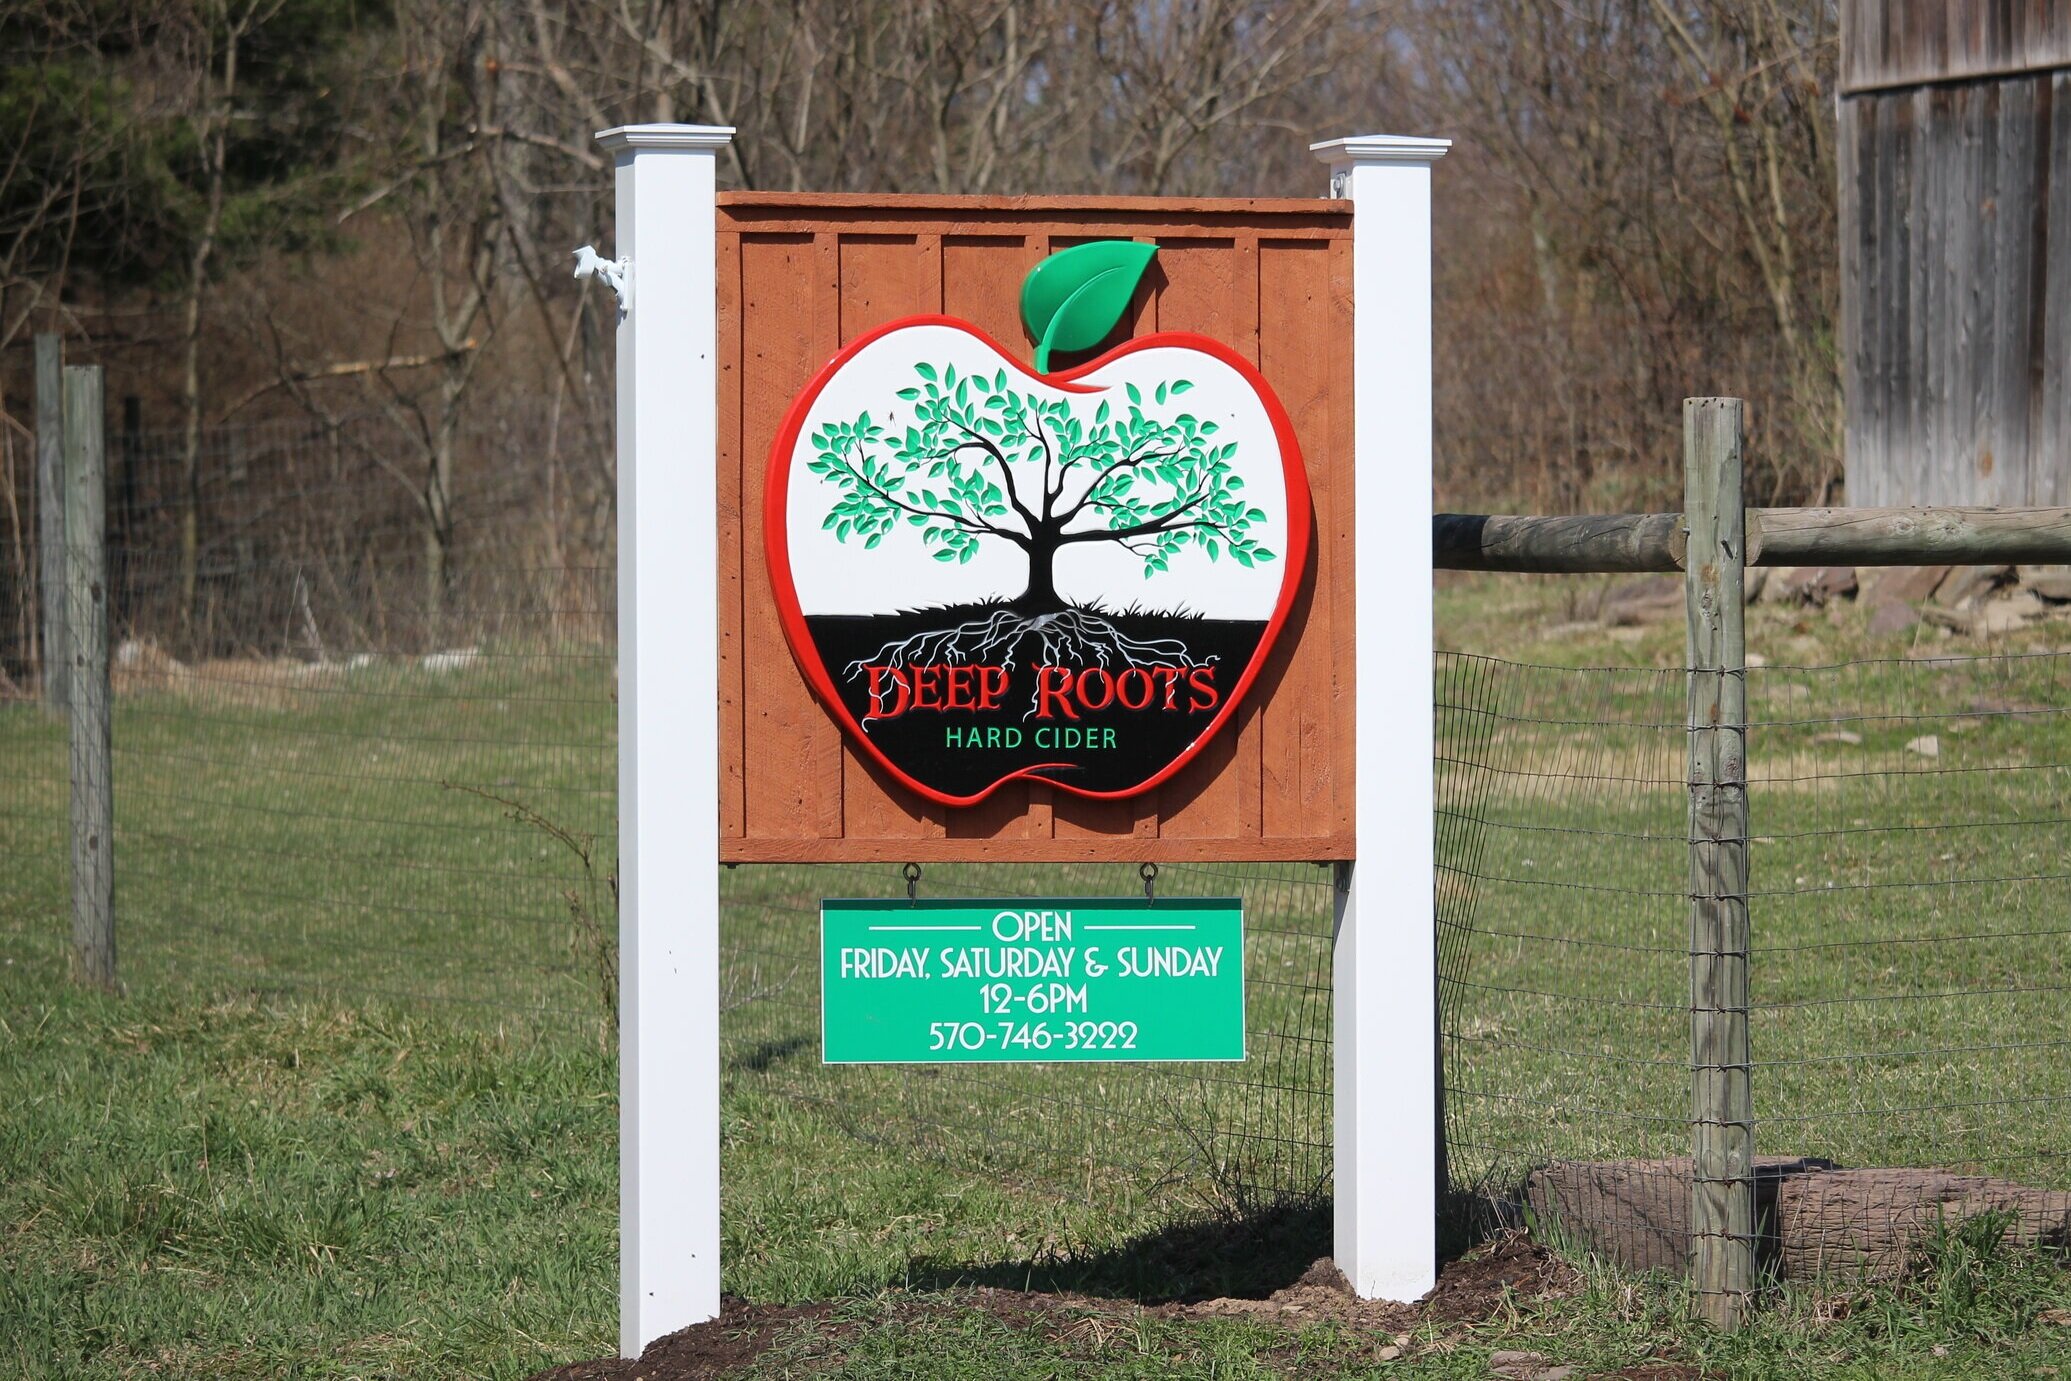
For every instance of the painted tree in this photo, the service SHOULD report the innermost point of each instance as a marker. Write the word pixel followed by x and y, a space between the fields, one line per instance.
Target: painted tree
pixel 984 462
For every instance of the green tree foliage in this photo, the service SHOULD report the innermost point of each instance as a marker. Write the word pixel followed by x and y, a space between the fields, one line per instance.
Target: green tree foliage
pixel 982 460
pixel 103 163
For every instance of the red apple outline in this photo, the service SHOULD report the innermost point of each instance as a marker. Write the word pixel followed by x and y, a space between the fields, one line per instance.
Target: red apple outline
pixel 777 549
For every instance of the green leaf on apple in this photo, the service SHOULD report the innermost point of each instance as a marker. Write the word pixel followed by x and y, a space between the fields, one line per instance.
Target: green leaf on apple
pixel 1072 299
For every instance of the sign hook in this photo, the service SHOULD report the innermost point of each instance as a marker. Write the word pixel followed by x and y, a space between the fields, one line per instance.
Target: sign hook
pixel 911 872
pixel 1149 873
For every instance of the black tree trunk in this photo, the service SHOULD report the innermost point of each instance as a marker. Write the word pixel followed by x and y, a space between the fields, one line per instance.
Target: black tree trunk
pixel 1041 595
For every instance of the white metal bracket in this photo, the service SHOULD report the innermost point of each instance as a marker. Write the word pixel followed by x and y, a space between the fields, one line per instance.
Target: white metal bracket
pixel 615 274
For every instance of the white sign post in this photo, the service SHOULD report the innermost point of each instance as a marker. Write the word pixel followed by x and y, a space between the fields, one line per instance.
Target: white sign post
pixel 1384 969
pixel 668 728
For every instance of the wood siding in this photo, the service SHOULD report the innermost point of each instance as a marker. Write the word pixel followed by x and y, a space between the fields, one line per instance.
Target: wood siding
pixel 1886 43
pixel 1956 291
pixel 799 276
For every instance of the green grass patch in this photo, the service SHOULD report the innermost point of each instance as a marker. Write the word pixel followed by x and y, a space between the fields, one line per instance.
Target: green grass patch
pixel 356 1115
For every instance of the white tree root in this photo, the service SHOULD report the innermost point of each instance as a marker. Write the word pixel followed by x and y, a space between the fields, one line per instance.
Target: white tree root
pixel 1062 635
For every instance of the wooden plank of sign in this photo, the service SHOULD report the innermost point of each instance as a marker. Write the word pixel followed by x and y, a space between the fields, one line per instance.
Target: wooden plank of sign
pixel 1071 815
pixel 883 278
pixel 734 561
pixel 973 268
pixel 1333 556
pixel 930 247
pixel 1041 810
pixel 1251 730
pixel 1080 849
pixel 934 815
pixel 1197 292
pixel 1136 816
pixel 2050 352
pixel 1100 218
pixel 1046 209
pixel 831 752
pixel 1172 233
pixel 1293 297
pixel 980 216
pixel 1147 810
pixel 782 280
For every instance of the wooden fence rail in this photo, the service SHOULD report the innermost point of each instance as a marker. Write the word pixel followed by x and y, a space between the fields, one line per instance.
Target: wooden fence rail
pixel 1642 542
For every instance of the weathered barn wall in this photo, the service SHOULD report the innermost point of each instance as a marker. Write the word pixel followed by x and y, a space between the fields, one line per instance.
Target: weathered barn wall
pixel 1955 167
pixel 802 275
pixel 1907 42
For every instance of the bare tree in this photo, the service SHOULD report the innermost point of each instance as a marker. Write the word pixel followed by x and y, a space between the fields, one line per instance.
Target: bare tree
pixel 216 32
pixel 1756 68
pixel 443 201
pixel 1639 203
pixel 1649 187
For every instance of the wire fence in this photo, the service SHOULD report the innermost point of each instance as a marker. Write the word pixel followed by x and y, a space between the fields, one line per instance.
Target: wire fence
pixel 1909 967
pixel 1911 970
pixel 1225 1139
pixel 333 781
pixel 1563 925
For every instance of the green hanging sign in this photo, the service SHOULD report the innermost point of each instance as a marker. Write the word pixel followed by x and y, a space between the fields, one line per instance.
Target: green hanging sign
pixel 999 981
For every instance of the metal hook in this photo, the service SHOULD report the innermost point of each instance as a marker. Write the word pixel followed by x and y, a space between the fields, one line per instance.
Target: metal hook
pixel 1149 873
pixel 911 872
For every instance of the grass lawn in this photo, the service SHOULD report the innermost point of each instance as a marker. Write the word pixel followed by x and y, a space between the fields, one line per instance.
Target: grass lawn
pixel 356 1116
pixel 265 1189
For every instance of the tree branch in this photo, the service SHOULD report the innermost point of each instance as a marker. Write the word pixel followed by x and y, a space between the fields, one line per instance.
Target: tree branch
pixel 1160 524
pixel 342 370
pixel 1119 467
pixel 983 529
pixel 1006 470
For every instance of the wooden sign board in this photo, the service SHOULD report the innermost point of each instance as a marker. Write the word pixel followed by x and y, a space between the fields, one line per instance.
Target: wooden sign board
pixel 802 279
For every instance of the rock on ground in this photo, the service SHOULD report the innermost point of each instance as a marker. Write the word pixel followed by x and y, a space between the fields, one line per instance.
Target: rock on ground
pixel 1821 1220
pixel 1966 583
pixel 1909 584
pixel 1814 586
pixel 1892 616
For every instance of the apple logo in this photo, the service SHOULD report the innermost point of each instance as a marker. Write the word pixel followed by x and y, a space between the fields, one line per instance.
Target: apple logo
pixel 990 572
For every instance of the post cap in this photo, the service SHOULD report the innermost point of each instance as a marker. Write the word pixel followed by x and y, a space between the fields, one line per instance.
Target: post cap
pixel 621 137
pixel 1380 148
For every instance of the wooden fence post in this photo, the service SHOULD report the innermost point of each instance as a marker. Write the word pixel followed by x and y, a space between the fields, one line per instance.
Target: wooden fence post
pixel 50 516
pixel 1722 1227
pixel 86 624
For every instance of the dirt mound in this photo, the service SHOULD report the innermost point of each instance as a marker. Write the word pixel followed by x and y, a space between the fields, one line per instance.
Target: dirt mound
pixel 1511 1269
pixel 733 1340
pixel 1509 1272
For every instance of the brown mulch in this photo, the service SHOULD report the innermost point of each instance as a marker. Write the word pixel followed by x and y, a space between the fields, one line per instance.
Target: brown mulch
pixel 708 1350
pixel 1509 1273
pixel 1469 1290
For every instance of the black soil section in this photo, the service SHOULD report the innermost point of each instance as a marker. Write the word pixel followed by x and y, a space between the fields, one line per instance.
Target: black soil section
pixel 1105 748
